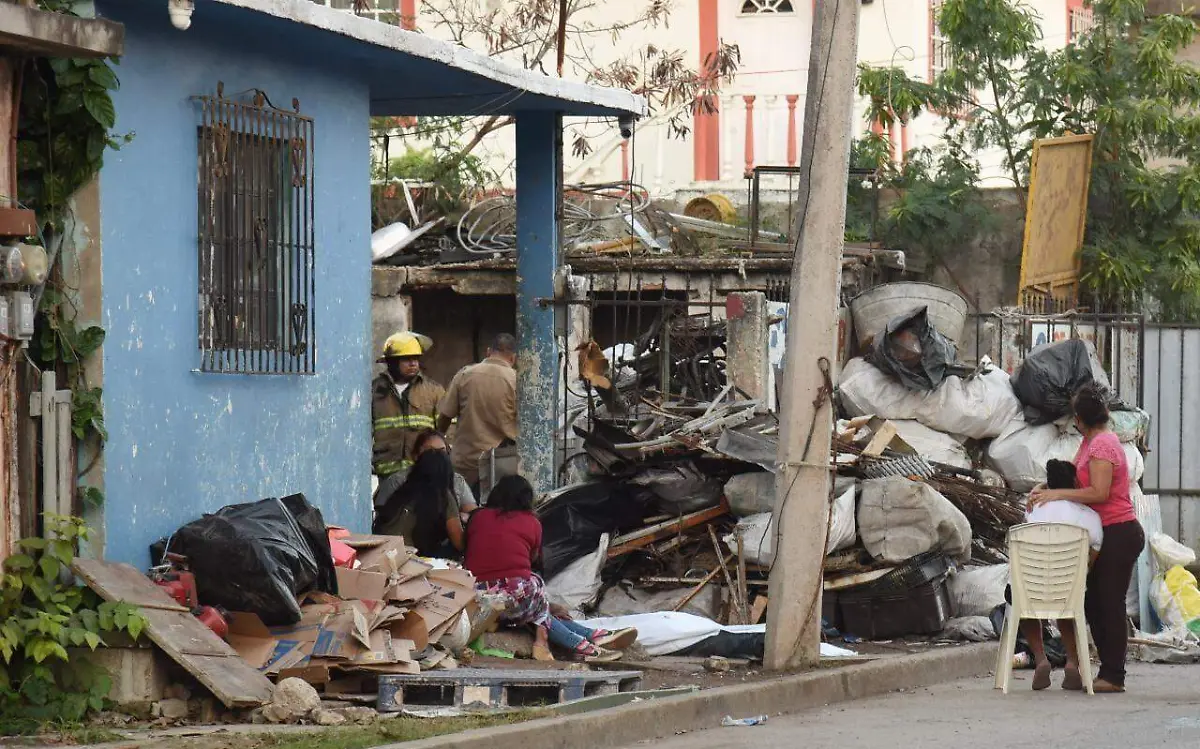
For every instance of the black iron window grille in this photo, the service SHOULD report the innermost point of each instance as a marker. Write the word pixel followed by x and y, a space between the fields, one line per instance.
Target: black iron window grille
pixel 256 247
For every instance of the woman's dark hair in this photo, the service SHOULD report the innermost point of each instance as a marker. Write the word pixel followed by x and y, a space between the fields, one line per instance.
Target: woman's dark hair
pixel 424 437
pixel 427 489
pixel 1090 405
pixel 511 494
pixel 1060 474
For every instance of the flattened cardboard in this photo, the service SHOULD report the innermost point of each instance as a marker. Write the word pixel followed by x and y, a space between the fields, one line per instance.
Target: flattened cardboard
pixel 453 590
pixel 361 585
pixel 410 590
pixel 386 557
pixel 413 628
pixel 250 638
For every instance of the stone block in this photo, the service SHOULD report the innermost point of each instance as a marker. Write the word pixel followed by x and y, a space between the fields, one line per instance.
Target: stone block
pixel 139 675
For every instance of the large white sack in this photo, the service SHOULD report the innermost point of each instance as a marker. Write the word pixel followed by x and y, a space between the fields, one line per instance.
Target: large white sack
pixel 933 445
pixel 1021 452
pixel 758 532
pixel 899 519
pixel 980 406
pixel 975 591
pixel 578 584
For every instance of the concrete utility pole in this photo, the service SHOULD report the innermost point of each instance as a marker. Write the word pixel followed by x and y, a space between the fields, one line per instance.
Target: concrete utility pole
pixel 803 477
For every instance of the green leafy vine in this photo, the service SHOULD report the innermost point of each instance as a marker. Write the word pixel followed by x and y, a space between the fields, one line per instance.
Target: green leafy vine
pixel 41 619
pixel 65 128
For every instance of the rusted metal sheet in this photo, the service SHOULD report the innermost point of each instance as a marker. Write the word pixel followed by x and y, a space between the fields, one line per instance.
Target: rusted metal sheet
pixel 1055 216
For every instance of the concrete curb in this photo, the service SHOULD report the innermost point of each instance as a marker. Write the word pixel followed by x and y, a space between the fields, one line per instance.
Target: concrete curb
pixel 666 717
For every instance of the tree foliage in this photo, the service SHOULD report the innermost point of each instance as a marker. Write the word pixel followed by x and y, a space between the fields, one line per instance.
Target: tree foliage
pixel 44 614
pixel 1122 81
pixel 526 33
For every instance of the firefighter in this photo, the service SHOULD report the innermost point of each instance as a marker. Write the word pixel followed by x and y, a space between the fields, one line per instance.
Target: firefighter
pixel 403 403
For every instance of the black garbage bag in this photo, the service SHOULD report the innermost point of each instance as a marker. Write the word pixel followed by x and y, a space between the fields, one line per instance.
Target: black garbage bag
pixel 913 351
pixel 1049 377
pixel 574 520
pixel 258 557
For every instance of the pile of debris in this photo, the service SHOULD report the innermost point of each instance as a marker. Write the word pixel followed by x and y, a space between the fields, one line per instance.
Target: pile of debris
pixel 933 460
pixel 264 592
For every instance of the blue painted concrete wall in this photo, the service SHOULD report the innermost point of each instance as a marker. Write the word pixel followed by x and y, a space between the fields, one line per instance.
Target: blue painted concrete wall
pixel 183 443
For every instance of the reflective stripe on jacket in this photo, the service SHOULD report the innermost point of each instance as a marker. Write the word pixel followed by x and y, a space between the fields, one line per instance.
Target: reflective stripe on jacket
pixel 398 419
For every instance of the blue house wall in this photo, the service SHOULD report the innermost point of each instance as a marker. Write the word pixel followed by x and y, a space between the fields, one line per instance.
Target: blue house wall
pixel 182 443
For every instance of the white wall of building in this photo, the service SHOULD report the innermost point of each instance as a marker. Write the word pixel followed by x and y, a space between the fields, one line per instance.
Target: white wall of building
pixel 774 66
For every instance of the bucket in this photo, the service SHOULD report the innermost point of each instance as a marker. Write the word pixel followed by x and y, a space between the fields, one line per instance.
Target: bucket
pixel 875 308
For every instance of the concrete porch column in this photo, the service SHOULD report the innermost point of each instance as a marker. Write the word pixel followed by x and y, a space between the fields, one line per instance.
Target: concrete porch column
pixel 539 196
pixel 746 358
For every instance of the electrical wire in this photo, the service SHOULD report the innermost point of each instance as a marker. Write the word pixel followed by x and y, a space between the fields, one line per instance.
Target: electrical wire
pixel 489 226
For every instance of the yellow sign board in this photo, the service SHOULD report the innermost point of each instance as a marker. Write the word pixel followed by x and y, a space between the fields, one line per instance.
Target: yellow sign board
pixel 1055 214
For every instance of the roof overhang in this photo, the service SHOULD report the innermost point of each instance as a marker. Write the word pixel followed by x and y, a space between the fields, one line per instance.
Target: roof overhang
pixel 409 73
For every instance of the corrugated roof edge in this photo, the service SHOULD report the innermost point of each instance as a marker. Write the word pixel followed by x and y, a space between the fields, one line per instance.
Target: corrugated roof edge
pixel 370 31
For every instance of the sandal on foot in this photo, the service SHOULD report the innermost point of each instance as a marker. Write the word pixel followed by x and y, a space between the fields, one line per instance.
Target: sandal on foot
pixel 590 653
pixel 618 640
pixel 1041 676
pixel 1072 681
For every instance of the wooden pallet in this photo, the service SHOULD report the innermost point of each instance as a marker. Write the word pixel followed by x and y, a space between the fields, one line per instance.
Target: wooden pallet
pixel 499 687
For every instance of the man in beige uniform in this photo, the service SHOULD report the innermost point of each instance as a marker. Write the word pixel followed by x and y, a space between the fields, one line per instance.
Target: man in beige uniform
pixel 483 397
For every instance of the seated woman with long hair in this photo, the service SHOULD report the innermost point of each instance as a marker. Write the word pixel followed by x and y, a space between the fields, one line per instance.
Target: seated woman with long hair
pixel 426 504
pixel 504 543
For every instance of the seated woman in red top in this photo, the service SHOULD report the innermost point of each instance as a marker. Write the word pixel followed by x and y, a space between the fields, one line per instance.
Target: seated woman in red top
pixel 1102 475
pixel 504 542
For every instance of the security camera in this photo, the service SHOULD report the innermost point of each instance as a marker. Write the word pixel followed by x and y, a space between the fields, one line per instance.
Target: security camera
pixel 625 123
pixel 180 12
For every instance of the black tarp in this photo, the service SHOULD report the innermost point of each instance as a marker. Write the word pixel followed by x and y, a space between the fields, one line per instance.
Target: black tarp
pixel 574 520
pixel 913 351
pixel 257 557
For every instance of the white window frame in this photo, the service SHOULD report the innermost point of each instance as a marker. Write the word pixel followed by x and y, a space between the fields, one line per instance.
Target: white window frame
pixel 765 7
pixel 378 11
pixel 1080 20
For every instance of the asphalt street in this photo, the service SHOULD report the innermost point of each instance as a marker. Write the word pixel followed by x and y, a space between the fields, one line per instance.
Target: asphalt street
pixel 1161 709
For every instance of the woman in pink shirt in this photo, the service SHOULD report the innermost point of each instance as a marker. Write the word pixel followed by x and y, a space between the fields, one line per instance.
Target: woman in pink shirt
pixel 1102 473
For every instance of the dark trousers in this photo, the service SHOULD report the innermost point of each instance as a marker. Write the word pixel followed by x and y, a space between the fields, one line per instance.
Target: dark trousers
pixel 1107 585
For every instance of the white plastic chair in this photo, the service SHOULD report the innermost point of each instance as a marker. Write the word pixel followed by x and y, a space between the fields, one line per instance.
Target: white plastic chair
pixel 1048 565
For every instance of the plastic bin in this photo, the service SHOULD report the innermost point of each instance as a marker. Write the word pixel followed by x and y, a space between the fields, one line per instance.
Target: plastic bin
pixel 914 572
pixel 922 610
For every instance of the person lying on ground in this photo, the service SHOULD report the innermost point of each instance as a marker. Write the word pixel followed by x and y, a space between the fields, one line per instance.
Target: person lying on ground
pixel 1059 475
pixel 504 544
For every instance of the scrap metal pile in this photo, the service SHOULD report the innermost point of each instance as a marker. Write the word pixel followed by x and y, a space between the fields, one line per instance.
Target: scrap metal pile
pixel 932 460
pixel 612 218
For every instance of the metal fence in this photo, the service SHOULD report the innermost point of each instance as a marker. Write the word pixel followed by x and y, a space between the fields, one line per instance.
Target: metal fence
pixel 1172 396
pixel 664 338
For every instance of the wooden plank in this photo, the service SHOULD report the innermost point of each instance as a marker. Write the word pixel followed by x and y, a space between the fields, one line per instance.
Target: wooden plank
pixel 123 582
pixel 758 609
pixel 230 679
pixel 883 437
pixel 700 586
pixel 180 635
pixel 646 536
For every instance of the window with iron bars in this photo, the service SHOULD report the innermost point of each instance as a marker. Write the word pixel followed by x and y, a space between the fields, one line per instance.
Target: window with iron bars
pixel 384 11
pixel 256 248
pixel 750 7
